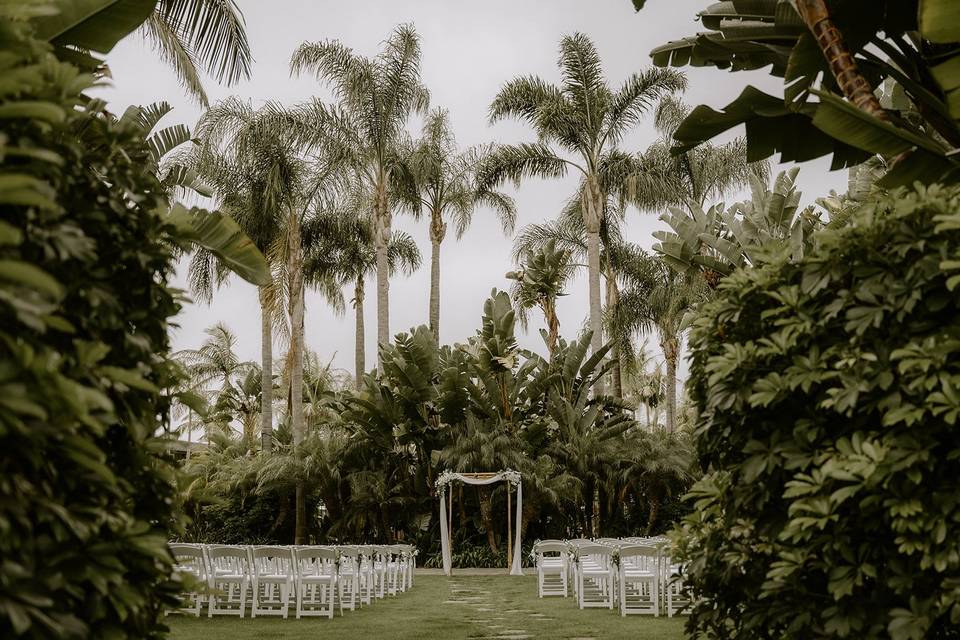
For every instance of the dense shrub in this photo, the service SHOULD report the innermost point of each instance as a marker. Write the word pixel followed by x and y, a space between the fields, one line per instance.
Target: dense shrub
pixel 85 494
pixel 828 393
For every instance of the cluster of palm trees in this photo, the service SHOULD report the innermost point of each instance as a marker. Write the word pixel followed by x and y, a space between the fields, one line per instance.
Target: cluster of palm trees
pixel 315 186
pixel 367 464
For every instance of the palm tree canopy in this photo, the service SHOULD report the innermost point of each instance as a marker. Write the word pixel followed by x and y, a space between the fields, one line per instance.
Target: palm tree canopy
pixel 583 116
pixel 192 34
pixel 374 95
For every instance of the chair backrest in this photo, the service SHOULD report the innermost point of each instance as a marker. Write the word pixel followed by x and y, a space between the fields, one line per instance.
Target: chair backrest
pixel 551 546
pixel 272 560
pixel 189 558
pixel 600 552
pixel 634 550
pixel 228 559
pixel 317 561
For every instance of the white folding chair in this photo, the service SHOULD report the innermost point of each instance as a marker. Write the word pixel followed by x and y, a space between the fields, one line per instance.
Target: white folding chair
pixel 551 557
pixel 228 578
pixel 273 580
pixel 676 596
pixel 316 581
pixel 191 567
pixel 639 578
pixel 348 580
pixel 595 576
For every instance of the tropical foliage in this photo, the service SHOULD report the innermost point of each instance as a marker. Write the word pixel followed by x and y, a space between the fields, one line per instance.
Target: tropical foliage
pixel 854 48
pixel 579 126
pixel 87 499
pixel 826 397
pixel 370 458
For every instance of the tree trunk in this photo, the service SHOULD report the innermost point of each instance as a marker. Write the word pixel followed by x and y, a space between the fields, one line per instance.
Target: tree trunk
pixel 296 373
pixel 359 349
pixel 613 298
pixel 842 64
pixel 486 516
pixel 438 230
pixel 654 505
pixel 591 218
pixel 382 241
pixel 670 353
pixel 266 365
pixel 549 307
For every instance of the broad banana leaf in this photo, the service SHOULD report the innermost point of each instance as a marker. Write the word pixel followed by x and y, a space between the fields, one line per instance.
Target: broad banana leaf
pixel 771 127
pixel 220 235
pixel 96 25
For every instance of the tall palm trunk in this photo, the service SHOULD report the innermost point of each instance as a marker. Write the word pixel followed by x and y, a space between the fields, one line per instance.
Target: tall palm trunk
pixel 383 223
pixel 266 366
pixel 591 217
pixel 613 297
pixel 671 352
pixel 359 348
pixel 842 65
pixel 438 230
pixel 296 374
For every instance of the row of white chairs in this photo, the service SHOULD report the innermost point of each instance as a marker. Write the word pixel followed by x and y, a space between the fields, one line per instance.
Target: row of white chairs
pixel 312 579
pixel 634 574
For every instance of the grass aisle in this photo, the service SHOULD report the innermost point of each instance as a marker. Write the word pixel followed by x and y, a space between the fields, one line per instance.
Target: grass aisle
pixel 445 608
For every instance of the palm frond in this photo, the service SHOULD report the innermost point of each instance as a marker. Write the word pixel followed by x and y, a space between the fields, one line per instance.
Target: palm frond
pixel 214 31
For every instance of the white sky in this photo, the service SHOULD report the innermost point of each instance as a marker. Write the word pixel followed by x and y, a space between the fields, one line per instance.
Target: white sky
pixel 469 50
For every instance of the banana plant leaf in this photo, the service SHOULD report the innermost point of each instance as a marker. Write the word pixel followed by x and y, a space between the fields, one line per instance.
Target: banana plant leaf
pixel 95 25
pixel 771 127
pixel 220 235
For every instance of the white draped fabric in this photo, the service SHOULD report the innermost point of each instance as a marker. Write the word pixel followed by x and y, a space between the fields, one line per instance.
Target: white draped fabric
pixel 443 482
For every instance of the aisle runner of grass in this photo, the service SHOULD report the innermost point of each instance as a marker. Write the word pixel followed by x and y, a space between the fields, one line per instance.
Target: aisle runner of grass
pixel 445 608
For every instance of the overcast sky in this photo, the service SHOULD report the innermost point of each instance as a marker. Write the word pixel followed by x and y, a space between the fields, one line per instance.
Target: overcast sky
pixel 469 50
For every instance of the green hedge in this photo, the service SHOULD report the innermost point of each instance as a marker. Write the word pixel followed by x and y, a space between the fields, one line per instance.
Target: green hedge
pixel 828 394
pixel 85 490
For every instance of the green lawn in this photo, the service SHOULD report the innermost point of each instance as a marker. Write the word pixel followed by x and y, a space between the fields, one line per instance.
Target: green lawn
pixel 447 608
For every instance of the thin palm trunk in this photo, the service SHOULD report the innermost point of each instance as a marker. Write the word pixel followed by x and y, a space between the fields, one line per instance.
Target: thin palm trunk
pixel 613 298
pixel 383 224
pixel 594 202
pixel 437 233
pixel 670 354
pixel 359 349
pixel 266 367
pixel 296 375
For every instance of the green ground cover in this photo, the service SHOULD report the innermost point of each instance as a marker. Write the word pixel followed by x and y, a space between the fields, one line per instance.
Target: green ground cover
pixel 447 608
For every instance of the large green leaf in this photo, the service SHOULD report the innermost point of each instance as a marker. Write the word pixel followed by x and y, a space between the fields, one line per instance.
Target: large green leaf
pixel 221 236
pixel 940 20
pixel 771 127
pixel 96 25
pixel 841 120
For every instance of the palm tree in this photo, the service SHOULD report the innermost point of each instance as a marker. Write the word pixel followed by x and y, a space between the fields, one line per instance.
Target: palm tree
pixel 215 360
pixel 239 399
pixel 190 34
pixel 692 177
pixel 538 283
pixel 341 245
pixel 255 175
pixel 366 129
pixel 660 465
pixel 657 298
pixel 443 185
pixel 585 118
